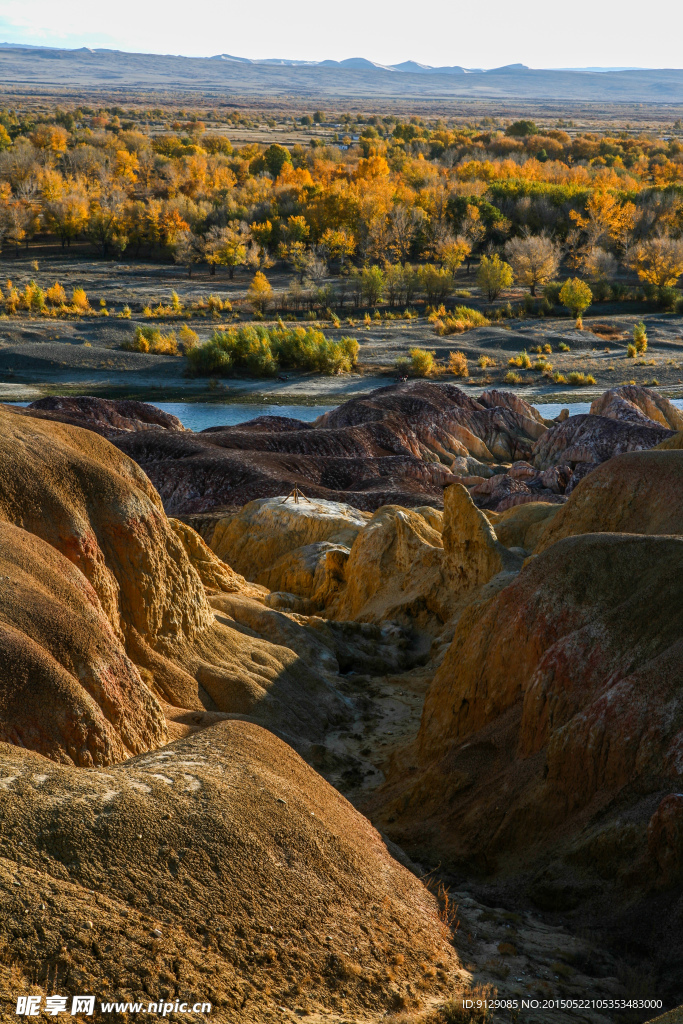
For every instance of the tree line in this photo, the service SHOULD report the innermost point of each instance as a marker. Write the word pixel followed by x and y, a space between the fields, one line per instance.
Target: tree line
pixel 395 195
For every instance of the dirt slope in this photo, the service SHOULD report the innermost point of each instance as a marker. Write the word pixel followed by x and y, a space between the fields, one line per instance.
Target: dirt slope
pixel 221 868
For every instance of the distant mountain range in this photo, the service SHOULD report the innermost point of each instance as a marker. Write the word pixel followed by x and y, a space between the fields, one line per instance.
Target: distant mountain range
pixel 355 78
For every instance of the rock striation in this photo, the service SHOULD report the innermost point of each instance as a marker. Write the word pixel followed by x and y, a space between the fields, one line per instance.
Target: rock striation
pixel 548 757
pixel 103 415
pixel 400 445
pixel 147 580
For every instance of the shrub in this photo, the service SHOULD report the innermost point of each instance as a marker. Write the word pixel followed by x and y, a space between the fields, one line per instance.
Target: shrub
pixel 577 378
pixel 513 378
pixel 551 292
pixel 150 339
pixel 630 351
pixel 188 338
pixel 260 351
pixel 216 305
pixel 547 349
pixel 79 301
pixel 563 347
pixel 55 296
pixel 12 299
pixel 484 361
pixel 522 360
pixel 640 338
pixel 125 313
pixel 176 304
pixel 463 319
pixel 421 362
pixel 457 364
pixel 542 366
pixel 32 298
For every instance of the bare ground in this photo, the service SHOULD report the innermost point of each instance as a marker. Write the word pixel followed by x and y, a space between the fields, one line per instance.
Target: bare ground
pixel 41 355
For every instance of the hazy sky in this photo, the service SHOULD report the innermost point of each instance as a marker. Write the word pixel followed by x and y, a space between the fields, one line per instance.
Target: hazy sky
pixel 479 34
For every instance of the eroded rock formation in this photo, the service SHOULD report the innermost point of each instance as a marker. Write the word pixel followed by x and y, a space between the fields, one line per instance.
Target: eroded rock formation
pixel 75 492
pixel 220 869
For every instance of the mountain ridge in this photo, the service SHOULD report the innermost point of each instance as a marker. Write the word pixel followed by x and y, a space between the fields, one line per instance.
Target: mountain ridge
pixel 355 77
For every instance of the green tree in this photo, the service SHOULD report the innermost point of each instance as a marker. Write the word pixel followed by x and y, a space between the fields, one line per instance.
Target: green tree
pixel 372 283
pixel 494 275
pixel 576 296
pixel 521 128
pixel 275 158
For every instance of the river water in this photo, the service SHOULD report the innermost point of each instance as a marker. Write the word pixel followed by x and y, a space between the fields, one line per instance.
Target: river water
pixel 200 415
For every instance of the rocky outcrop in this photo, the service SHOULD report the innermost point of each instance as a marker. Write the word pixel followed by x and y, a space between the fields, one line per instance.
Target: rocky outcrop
pixel 551 731
pixel 635 404
pixel 83 498
pixel 442 420
pixel 220 869
pixel 473 555
pixel 264 531
pixel 639 492
pixel 409 565
pixel 522 526
pixel 395 570
pixel 67 687
pixel 400 445
pixel 105 416
pixel 580 443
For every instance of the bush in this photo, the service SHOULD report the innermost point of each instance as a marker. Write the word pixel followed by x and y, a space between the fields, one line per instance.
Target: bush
pixel 421 362
pixel 79 301
pixel 188 338
pixel 462 319
pixel 631 351
pixel 32 298
pixel 125 313
pixel 150 339
pixel 551 292
pixel 563 347
pixel 484 361
pixel 55 296
pixel 522 360
pixel 640 338
pixel 576 296
pixel 577 378
pixel 513 378
pixel 261 351
pixel 457 364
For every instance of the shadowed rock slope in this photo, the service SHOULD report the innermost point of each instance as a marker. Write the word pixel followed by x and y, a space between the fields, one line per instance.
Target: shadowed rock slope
pixel 399 445
pixel 120 614
pixel 548 760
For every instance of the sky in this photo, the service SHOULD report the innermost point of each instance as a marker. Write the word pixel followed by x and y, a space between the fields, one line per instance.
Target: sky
pixel 438 32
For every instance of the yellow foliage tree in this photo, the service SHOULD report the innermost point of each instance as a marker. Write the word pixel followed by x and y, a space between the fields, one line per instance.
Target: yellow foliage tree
pixel 658 261
pixel 259 293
